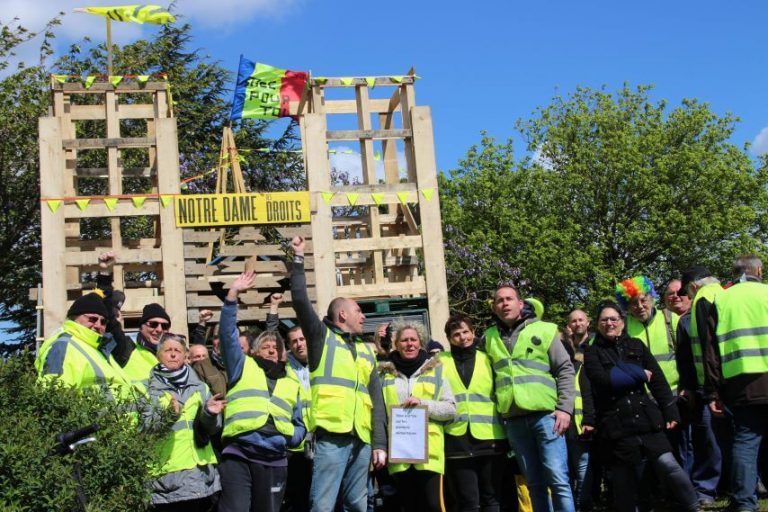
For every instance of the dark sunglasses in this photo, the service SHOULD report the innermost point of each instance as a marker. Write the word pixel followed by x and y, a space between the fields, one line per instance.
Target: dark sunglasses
pixel 153 324
pixel 96 320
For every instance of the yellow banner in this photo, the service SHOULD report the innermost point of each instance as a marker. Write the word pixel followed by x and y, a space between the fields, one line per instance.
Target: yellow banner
pixel 236 209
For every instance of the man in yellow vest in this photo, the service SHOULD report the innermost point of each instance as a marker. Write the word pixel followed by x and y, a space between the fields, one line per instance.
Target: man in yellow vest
pixel 80 355
pixel 347 403
pixel 736 372
pixel 702 458
pixel 534 382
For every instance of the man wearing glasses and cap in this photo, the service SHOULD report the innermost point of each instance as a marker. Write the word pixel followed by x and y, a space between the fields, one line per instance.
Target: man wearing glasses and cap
pixel 80 354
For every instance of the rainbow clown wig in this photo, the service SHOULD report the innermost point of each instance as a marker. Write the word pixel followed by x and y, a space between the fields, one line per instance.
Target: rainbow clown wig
pixel 633 287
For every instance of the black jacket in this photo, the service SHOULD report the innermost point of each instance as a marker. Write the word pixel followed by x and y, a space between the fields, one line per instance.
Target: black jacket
pixel 628 410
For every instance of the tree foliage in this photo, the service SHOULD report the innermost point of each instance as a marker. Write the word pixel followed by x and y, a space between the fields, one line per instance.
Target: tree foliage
pixel 115 468
pixel 617 185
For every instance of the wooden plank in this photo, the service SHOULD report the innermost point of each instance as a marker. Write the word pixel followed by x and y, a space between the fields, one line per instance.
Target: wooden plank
pixel 195 300
pixel 103 172
pixel 191 252
pixel 101 87
pixel 244 314
pixel 329 82
pixel 232 267
pixel 115 181
pixel 345 107
pixel 381 188
pixel 52 224
pixel 407 100
pixel 203 284
pixel 368 134
pixel 103 245
pixel 123 208
pixel 124 111
pixel 377 244
pixel 173 243
pixel 434 256
pixel 146 255
pixel 417 287
pixel 101 143
pixel 319 179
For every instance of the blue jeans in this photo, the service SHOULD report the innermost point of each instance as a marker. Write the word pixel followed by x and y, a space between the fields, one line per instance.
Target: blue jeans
pixel 700 454
pixel 341 463
pixel 750 425
pixel 543 459
pixel 581 472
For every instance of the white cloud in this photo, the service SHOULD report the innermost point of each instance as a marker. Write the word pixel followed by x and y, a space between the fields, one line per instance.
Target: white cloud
pixel 230 13
pixel 760 143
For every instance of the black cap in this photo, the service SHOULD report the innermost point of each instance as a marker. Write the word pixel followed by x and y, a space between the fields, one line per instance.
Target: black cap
pixel 690 275
pixel 88 303
pixel 154 310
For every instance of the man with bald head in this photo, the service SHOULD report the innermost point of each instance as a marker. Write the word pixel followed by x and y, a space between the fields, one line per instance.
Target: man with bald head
pixel 347 402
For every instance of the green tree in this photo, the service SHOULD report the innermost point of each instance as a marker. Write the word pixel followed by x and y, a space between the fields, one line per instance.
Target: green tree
pixel 618 185
pixel 115 468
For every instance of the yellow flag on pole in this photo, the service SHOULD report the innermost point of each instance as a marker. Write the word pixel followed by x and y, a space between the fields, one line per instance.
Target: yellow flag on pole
pixel 135 13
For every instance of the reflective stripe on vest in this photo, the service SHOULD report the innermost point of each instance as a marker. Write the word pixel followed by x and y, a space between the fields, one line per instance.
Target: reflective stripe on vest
pixel 742 329
pixel 340 399
pixel 523 378
pixel 428 386
pixel 709 292
pixel 578 403
pixel 475 407
pixel 249 403
pixel 658 338
pixel 179 450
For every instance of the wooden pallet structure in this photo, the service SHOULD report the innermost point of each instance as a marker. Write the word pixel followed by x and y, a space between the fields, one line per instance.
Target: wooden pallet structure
pixel 75 197
pixel 378 238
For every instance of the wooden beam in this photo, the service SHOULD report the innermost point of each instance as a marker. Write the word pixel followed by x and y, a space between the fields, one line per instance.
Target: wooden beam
pixel 102 143
pixel 124 111
pixel 434 255
pixel 146 255
pixel 101 87
pixel 123 208
pixel 103 172
pixel 173 243
pixel 52 224
pixel 377 244
pixel 408 288
pixel 367 134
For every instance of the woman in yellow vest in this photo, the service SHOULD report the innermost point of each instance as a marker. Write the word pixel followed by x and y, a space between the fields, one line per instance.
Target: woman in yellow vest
pixel 475 442
pixel 185 471
pixel 411 378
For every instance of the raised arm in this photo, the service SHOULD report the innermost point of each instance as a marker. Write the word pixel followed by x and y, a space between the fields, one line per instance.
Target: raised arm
pixel 311 325
pixel 233 356
pixel 273 317
pixel 123 344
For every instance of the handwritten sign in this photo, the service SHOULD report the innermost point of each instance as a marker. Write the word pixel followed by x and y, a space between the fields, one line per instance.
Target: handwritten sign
pixel 235 209
pixel 408 434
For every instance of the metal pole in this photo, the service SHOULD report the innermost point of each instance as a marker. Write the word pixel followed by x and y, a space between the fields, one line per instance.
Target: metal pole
pixel 109 46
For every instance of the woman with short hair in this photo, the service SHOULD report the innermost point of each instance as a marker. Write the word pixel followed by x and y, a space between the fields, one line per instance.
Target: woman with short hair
pixel 413 378
pixel 185 471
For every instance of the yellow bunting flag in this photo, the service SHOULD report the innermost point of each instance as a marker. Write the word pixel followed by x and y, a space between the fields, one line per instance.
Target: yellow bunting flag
pixel 60 78
pixel 82 203
pixel 348 152
pixel 111 202
pixel 54 204
pixel 403 196
pixel 371 81
pixel 427 193
pixel 320 80
pixel 115 80
pixel 89 81
pixel 352 198
pixel 377 197
pixel 142 78
pixel 332 151
pixel 138 201
pixel 346 81
pixel 377 155
pixel 165 200
pixel 327 196
pixel 396 79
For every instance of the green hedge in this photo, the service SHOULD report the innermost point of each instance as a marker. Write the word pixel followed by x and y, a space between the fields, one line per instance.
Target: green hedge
pixel 114 468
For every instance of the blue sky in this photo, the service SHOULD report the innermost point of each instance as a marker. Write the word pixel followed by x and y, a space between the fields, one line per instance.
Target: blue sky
pixel 486 64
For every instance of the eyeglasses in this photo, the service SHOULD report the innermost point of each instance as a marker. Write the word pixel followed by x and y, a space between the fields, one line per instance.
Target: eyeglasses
pixel 610 319
pixel 96 320
pixel 154 324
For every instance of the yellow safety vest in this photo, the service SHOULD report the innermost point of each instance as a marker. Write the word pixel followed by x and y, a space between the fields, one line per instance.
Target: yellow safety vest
pixel 578 403
pixel 523 378
pixel 179 451
pixel 742 329
pixel 340 399
pixel 475 407
pixel 428 386
pixel 139 366
pixel 85 366
pixel 249 403
pixel 658 338
pixel 709 292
